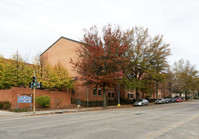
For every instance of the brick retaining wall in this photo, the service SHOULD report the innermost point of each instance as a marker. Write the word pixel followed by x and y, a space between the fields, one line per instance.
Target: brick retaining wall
pixel 58 98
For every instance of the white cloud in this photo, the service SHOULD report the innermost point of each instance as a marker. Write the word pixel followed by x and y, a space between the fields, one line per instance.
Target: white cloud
pixel 31 26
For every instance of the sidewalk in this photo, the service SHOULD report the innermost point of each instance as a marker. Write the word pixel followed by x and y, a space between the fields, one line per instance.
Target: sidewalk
pixel 7 113
pixel 73 110
pixel 46 112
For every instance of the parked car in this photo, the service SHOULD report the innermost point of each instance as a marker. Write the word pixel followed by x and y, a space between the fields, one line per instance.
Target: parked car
pixel 160 101
pixel 168 100
pixel 179 99
pixel 141 102
pixel 174 100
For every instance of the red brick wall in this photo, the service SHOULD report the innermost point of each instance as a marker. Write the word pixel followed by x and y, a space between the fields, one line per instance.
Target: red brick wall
pixel 62 52
pixel 81 93
pixel 5 95
pixel 56 96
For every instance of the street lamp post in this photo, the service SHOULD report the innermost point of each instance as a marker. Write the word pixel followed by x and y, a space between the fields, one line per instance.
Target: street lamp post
pixel 87 97
pixel 118 103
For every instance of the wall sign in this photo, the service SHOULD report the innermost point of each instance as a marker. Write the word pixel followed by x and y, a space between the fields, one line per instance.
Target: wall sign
pixel 24 99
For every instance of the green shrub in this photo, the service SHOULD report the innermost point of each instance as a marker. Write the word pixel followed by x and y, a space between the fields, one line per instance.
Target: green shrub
pixel 5 105
pixel 187 98
pixel 1 105
pixel 43 101
pixel 19 110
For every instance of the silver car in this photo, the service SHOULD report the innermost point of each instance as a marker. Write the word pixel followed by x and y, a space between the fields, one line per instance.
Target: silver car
pixel 160 101
pixel 141 102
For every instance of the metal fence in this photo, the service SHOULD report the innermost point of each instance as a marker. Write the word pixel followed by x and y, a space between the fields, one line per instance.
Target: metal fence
pixel 94 103
pixel 109 102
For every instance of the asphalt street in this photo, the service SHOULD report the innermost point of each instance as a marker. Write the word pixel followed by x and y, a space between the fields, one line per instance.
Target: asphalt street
pixel 164 121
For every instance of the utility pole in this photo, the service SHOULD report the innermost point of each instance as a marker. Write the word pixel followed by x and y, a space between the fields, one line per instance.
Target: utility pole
pixel 33 100
pixel 34 86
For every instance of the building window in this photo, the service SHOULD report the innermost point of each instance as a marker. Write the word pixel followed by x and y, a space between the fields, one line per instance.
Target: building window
pixel 113 94
pixel 109 94
pixel 99 92
pixel 131 95
pixel 94 92
pixel 73 91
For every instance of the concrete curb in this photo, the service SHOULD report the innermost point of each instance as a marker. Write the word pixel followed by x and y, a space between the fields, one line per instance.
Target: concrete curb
pixel 72 110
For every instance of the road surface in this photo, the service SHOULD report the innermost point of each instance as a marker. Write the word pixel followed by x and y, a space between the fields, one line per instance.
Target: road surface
pixel 166 121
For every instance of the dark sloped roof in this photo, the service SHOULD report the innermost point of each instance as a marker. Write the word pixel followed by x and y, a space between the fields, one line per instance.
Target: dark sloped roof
pixel 57 41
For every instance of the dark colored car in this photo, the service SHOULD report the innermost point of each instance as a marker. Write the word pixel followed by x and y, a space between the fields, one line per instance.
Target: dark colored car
pixel 174 100
pixel 141 102
pixel 168 100
pixel 160 101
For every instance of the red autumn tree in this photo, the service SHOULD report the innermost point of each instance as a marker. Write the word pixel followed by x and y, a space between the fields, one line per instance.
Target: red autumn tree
pixel 101 59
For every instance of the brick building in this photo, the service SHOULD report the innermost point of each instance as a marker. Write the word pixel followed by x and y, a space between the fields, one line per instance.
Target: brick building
pixel 63 50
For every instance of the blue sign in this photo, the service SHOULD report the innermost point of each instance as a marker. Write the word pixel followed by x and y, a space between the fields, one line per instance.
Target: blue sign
pixel 24 99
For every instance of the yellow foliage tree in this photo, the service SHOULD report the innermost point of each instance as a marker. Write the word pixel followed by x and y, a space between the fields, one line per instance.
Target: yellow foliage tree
pixel 52 77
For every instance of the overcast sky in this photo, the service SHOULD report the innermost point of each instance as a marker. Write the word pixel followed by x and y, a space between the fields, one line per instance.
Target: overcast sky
pixel 31 26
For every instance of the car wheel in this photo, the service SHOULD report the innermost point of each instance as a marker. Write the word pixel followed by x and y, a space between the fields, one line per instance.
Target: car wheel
pixel 142 104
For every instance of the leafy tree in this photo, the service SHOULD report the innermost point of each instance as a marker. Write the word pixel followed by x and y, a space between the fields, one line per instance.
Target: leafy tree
pixel 52 77
pixel 148 86
pixel 14 72
pixel 63 81
pixel 1 72
pixel 147 56
pixel 17 62
pixel 170 79
pixel 159 62
pixel 23 71
pixel 186 77
pixel 8 79
pixel 101 59
pixel 8 74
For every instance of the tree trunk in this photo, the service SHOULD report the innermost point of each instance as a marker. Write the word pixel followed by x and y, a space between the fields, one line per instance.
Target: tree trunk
pixel 156 89
pixel 142 94
pixel 186 95
pixel 170 95
pixel 137 93
pixel 104 96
